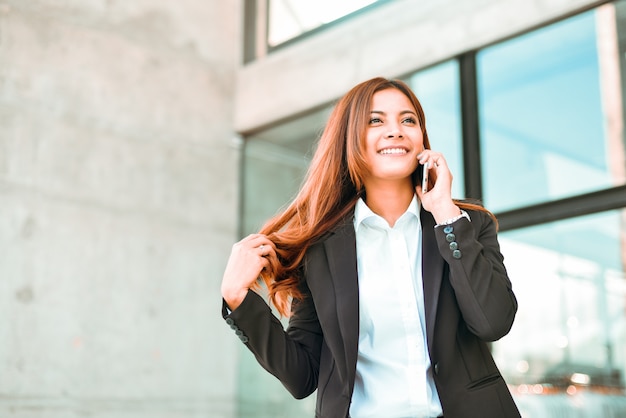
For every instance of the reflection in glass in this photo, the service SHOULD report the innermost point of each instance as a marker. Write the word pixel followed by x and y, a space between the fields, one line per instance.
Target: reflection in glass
pixel 290 18
pixel 568 341
pixel 275 161
pixel 438 91
pixel 544 114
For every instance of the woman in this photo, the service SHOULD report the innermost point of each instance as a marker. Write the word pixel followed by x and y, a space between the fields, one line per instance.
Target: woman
pixel 392 291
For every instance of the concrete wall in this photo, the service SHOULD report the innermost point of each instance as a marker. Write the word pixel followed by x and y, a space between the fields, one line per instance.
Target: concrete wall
pixel 118 207
pixel 390 40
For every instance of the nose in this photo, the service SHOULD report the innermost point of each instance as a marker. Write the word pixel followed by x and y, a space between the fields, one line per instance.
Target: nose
pixel 394 132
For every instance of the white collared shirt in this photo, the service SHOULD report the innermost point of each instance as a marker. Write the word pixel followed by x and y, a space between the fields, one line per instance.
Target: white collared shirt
pixel 393 376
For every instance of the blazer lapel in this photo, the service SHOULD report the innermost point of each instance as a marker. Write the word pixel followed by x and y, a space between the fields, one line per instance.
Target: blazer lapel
pixel 341 253
pixel 340 249
pixel 432 273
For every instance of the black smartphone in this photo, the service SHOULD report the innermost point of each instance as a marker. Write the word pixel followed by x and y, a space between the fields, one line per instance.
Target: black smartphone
pixel 425 178
pixel 420 177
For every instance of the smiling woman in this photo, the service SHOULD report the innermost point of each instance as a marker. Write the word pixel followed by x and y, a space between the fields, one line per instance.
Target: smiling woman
pixel 363 262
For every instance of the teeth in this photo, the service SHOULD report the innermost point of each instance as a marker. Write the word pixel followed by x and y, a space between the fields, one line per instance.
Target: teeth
pixel 392 151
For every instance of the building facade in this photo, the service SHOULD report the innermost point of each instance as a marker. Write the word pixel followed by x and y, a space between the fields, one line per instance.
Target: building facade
pixel 526 101
pixel 139 140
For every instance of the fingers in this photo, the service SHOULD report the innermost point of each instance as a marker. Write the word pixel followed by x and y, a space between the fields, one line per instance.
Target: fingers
pixel 440 183
pixel 266 250
pixel 256 246
pixel 433 158
pixel 256 240
pixel 249 257
pixel 259 244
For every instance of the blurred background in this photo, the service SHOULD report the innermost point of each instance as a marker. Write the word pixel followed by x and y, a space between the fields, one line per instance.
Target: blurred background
pixel 140 139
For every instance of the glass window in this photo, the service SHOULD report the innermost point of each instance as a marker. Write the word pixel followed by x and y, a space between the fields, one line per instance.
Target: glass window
pixel 566 353
pixel 291 18
pixel 275 162
pixel 544 117
pixel 437 89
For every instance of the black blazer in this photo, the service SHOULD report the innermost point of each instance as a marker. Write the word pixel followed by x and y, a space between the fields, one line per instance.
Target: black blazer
pixel 468 302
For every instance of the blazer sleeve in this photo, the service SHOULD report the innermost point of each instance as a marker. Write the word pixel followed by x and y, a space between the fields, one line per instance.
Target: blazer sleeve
pixel 291 355
pixel 478 275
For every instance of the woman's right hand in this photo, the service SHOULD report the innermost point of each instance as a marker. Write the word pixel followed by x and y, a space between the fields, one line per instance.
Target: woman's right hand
pixel 247 259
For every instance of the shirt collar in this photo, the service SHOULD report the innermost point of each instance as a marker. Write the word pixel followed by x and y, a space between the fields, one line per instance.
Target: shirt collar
pixel 363 212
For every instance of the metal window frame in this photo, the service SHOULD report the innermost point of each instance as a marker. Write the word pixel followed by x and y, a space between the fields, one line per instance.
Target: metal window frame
pixel 525 216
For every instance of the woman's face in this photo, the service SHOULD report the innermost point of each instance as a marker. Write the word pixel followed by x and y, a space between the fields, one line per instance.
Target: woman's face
pixel 393 138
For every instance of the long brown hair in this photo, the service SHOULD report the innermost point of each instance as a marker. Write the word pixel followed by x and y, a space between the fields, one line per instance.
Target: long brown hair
pixel 331 188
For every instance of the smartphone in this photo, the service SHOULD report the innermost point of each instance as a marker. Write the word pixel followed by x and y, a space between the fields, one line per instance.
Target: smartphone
pixel 420 176
pixel 425 178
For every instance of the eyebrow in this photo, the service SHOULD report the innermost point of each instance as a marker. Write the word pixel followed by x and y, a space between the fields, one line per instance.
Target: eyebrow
pixel 404 112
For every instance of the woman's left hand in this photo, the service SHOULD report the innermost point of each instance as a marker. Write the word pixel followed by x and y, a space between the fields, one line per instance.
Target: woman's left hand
pixel 438 198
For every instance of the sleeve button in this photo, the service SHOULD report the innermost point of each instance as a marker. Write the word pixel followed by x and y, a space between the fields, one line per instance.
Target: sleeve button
pixel 454 245
pixel 448 229
pixel 456 254
pixel 450 237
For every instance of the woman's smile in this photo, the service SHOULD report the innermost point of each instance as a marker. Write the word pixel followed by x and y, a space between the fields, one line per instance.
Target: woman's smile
pixel 393 151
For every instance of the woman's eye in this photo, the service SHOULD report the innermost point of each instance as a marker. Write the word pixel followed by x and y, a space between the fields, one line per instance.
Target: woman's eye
pixel 375 120
pixel 409 120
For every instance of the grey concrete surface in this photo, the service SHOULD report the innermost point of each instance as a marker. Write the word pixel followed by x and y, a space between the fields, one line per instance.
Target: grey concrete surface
pixel 393 40
pixel 118 205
